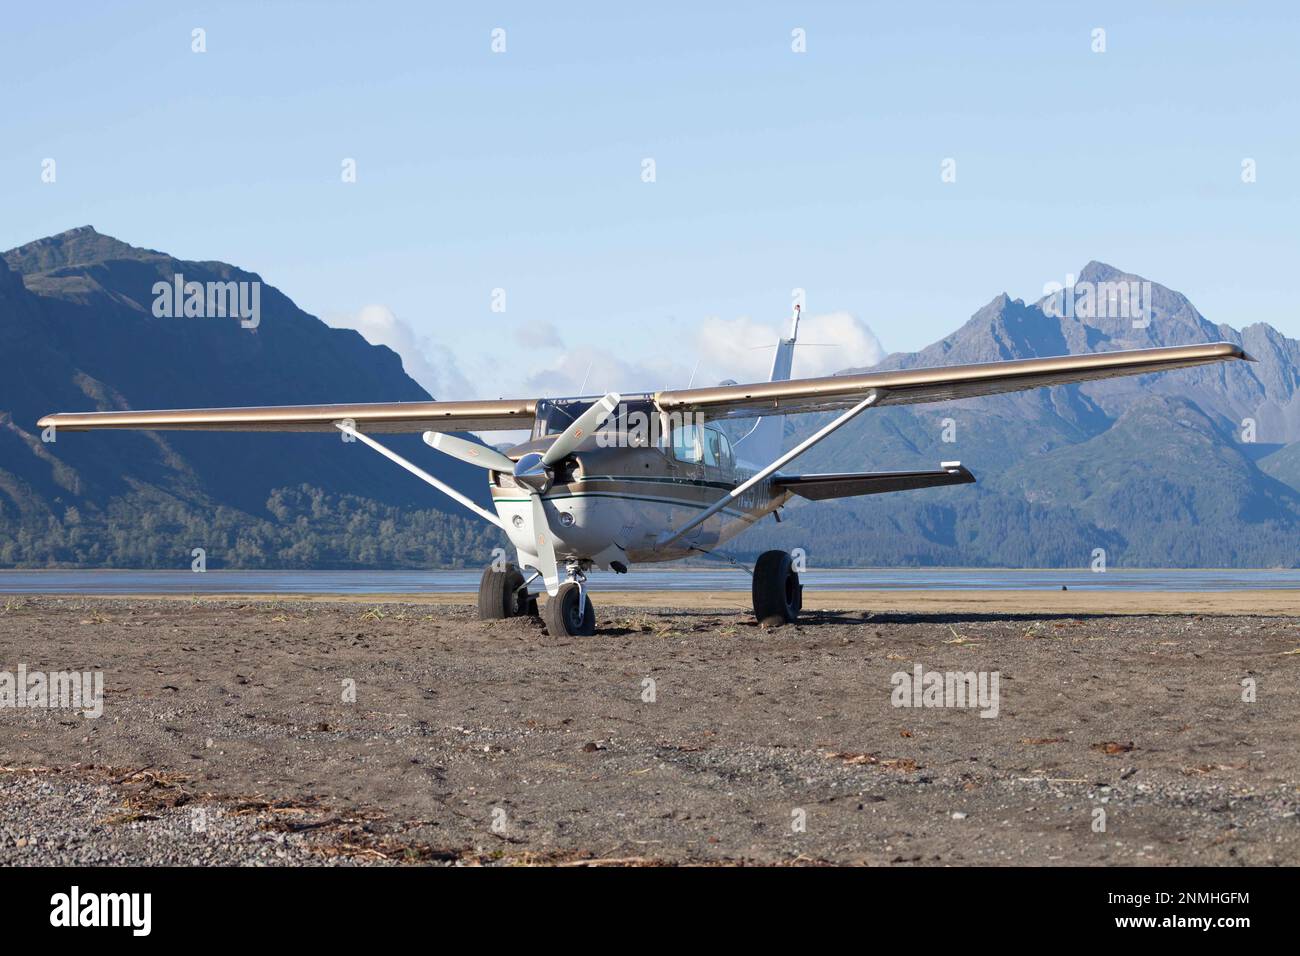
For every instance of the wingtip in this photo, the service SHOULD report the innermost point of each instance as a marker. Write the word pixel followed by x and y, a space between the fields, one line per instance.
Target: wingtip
pixel 1235 351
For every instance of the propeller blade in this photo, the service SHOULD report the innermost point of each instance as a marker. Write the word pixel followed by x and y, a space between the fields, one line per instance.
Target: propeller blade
pixel 582 426
pixel 545 546
pixel 470 452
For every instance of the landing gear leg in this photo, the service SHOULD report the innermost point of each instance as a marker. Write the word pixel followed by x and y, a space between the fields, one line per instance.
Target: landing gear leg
pixel 570 613
pixel 778 595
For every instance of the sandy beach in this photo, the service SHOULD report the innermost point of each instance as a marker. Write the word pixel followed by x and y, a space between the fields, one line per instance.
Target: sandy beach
pixel 393 731
pixel 1273 603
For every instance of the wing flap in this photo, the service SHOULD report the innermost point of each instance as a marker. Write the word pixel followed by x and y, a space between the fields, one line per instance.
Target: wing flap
pixel 376 417
pixel 945 383
pixel 824 487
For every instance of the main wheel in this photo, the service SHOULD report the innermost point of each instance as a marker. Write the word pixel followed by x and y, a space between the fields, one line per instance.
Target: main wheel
pixel 502 593
pixel 561 614
pixel 778 595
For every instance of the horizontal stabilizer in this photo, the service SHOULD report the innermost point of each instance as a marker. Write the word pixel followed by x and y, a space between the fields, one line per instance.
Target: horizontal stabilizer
pixel 823 487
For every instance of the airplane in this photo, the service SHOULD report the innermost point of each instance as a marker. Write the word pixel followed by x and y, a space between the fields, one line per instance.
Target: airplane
pixel 616 480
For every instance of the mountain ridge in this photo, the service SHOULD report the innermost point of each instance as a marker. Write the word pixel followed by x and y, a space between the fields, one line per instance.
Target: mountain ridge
pixel 78 332
pixel 1014 444
pixel 1155 469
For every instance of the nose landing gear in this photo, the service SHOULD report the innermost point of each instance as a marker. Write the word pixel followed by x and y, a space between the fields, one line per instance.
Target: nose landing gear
pixel 570 613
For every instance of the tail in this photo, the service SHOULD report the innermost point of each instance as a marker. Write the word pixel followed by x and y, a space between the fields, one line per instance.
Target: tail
pixel 763 443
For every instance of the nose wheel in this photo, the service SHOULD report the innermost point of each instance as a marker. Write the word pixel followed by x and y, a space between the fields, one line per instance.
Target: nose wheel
pixel 570 613
pixel 778 595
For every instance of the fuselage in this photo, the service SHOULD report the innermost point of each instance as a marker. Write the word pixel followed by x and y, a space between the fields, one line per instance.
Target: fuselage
pixel 615 498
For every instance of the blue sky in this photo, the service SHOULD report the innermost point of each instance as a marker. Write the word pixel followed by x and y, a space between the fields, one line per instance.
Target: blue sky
pixel 774 169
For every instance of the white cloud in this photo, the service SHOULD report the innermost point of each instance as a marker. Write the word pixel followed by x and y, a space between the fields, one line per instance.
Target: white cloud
pixel 591 371
pixel 742 348
pixel 720 349
pixel 739 349
pixel 839 340
pixel 430 364
pixel 539 335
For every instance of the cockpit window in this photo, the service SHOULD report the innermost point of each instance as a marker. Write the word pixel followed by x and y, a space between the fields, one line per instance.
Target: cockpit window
pixel 554 415
pixel 686 444
pixel 717 450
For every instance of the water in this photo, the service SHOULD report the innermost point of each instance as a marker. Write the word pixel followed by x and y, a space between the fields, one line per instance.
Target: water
pixel 647 579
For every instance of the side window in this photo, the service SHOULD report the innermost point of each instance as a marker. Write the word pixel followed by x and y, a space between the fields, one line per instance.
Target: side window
pixel 712 447
pixel 725 457
pixel 686 444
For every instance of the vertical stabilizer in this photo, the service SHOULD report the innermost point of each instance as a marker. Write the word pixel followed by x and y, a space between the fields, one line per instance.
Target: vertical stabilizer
pixel 763 443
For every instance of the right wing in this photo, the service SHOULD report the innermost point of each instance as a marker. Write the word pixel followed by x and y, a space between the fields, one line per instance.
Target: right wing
pixel 497 415
pixel 944 383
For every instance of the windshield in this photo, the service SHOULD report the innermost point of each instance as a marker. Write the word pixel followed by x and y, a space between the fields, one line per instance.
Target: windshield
pixel 554 415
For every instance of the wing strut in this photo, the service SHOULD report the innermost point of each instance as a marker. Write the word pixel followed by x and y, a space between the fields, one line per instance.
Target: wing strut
pixel 669 537
pixel 420 473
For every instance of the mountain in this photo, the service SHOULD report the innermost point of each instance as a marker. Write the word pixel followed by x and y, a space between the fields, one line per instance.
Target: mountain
pixel 1284 465
pixel 77 331
pixel 1197 467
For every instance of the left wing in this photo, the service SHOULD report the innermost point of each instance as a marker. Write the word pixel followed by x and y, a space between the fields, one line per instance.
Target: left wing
pixel 911 386
pixel 495 415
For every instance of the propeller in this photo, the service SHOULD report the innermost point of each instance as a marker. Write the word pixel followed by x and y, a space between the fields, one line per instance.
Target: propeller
pixel 533 472
pixel 582 426
pixel 471 452
pixel 545 545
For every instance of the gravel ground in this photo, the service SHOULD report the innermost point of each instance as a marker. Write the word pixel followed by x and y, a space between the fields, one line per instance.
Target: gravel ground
pixel 226 738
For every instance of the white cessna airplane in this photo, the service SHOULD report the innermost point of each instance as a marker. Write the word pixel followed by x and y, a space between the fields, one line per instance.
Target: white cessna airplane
pixel 628 479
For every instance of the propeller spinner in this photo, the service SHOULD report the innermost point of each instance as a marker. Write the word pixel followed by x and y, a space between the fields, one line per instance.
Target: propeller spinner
pixel 534 472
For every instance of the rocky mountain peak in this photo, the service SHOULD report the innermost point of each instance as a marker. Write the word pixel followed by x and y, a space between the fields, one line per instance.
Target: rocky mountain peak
pixel 82 246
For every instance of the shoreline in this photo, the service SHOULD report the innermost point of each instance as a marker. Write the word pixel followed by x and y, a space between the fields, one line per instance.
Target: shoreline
pixel 682 568
pixel 1258 603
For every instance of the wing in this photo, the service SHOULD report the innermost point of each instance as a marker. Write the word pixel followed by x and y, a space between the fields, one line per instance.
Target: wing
pixel 910 386
pixel 501 414
pixel 728 401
